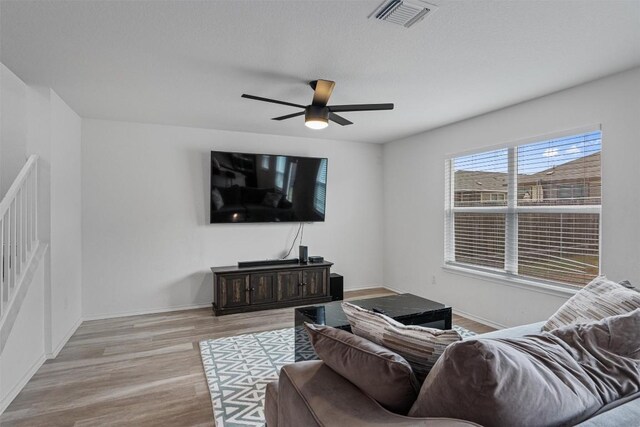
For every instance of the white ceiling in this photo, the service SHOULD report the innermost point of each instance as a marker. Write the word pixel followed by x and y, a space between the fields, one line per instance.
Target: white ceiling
pixel 187 62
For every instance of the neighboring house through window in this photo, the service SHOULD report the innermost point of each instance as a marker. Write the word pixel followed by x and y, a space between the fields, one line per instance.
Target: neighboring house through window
pixel 531 210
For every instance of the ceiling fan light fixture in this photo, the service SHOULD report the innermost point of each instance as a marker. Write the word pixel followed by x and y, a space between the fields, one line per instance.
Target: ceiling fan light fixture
pixel 316 123
pixel 316 117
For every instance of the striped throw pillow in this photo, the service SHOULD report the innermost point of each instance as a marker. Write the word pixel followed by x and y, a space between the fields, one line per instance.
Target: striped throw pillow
pixel 599 299
pixel 420 346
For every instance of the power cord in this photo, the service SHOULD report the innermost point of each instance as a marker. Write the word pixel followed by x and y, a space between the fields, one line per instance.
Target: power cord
pixel 300 226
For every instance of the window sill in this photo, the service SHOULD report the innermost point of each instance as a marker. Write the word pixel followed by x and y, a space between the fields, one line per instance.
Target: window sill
pixel 508 280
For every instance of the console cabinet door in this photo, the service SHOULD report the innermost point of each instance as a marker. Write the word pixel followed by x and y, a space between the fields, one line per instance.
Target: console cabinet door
pixel 289 285
pixel 314 282
pixel 234 291
pixel 263 288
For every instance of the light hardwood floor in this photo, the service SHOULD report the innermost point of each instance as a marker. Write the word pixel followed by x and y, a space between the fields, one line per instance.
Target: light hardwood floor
pixel 142 370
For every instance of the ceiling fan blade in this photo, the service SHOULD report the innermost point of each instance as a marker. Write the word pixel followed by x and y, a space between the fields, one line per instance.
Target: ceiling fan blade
pixel 288 116
pixel 360 107
pixel 339 119
pixel 274 101
pixel 322 91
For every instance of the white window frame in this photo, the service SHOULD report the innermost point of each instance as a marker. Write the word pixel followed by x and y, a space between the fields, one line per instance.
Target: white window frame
pixel 511 211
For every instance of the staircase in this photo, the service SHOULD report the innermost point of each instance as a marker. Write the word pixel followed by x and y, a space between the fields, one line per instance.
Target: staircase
pixel 19 244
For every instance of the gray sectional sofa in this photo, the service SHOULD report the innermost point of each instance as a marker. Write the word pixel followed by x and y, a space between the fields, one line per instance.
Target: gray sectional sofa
pixel 312 394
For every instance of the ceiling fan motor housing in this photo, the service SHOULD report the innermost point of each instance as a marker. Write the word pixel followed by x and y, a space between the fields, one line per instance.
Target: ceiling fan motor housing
pixel 316 113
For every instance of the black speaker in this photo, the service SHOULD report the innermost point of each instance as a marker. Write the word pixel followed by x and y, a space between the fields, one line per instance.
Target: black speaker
pixel 336 285
pixel 304 254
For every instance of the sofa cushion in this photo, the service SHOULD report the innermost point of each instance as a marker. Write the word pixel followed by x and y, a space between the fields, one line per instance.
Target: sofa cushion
pixel 599 299
pixel 377 371
pixel 558 378
pixel 421 346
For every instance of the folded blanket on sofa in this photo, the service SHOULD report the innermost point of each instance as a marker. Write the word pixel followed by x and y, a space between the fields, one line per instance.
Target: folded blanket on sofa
pixel 550 379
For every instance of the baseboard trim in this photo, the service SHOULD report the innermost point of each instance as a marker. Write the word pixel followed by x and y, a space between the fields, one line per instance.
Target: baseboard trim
pixel 142 312
pixel 469 316
pixel 479 319
pixel 196 306
pixel 54 353
pixel 4 404
pixel 397 291
pixel 364 288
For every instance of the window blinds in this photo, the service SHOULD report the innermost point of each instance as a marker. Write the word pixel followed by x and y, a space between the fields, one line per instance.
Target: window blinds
pixel 563 247
pixel 531 210
pixel 479 239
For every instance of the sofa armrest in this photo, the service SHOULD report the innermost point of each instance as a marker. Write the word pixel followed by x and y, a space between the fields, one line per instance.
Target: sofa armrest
pixel 312 394
pixel 271 404
pixel 623 412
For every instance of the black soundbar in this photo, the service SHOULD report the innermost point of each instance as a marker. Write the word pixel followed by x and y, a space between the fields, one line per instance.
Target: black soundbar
pixel 245 264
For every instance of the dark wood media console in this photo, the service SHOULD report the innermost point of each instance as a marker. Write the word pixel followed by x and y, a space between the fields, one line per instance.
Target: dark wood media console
pixel 238 290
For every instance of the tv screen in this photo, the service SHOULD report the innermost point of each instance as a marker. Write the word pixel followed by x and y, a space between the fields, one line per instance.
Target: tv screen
pixel 267 188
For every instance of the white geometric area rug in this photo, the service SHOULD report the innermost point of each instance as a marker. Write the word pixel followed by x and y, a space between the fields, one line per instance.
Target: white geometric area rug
pixel 239 368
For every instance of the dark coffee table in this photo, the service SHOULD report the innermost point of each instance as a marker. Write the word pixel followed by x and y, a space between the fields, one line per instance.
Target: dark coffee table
pixel 408 309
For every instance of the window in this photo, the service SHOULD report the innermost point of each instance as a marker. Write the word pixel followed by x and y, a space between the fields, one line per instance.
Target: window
pixel 571 191
pixel 321 187
pixel 264 163
pixel 281 164
pixel 494 197
pixel 531 210
pixel 291 179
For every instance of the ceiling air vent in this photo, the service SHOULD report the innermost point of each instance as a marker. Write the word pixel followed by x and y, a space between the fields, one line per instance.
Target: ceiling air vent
pixel 403 12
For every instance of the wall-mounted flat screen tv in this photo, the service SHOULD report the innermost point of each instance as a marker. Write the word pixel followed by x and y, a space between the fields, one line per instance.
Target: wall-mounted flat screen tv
pixel 267 188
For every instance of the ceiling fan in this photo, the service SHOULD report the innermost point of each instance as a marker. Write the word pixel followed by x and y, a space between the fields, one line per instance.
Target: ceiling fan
pixel 318 113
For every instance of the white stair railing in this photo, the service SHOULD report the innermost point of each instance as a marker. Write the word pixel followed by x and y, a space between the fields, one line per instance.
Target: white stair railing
pixel 18 233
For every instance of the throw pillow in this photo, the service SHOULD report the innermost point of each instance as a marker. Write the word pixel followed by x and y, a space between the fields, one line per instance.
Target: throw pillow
pixel 420 346
pixel 599 299
pixel 271 199
pixel 557 378
pixel 378 372
pixel 217 198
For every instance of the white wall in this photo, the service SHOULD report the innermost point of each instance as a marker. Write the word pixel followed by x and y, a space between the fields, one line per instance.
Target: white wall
pixel 13 127
pixel 39 122
pixel 54 133
pixel 66 223
pixel 414 196
pixel 147 242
